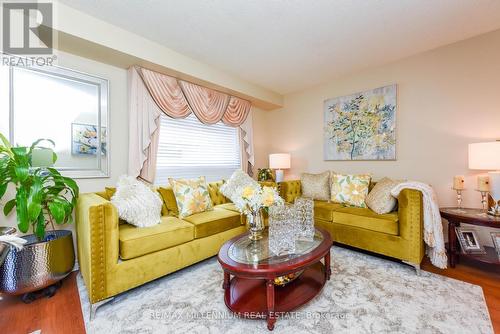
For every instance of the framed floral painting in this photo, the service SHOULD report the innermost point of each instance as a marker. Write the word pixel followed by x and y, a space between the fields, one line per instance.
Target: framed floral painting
pixel 361 126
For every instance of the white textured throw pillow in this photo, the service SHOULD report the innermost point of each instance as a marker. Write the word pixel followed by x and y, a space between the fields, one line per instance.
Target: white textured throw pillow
pixel 137 204
pixel 238 180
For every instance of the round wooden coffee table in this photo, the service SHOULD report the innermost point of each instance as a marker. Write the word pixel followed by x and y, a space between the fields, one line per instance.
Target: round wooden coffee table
pixel 252 292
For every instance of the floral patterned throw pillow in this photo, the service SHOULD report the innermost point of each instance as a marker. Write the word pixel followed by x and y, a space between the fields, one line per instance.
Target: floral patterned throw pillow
pixel 191 196
pixel 350 189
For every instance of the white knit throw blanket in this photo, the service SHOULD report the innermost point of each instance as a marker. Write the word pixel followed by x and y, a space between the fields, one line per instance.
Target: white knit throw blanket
pixel 433 227
pixel 14 240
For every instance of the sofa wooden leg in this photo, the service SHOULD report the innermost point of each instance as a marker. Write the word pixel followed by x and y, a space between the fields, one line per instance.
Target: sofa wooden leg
pixel 414 265
pixel 95 306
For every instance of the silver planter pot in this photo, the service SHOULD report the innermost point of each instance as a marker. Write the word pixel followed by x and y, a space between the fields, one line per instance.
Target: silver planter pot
pixel 38 265
pixel 4 248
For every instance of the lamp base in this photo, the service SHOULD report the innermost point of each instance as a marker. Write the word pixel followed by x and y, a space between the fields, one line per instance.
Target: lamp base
pixel 279 175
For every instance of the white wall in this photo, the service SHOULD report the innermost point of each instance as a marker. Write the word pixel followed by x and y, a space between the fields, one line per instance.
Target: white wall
pixel 118 127
pixel 260 129
pixel 447 98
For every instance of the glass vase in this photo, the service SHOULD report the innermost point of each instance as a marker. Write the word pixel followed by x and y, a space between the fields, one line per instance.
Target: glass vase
pixel 255 222
pixel 282 229
pixel 305 218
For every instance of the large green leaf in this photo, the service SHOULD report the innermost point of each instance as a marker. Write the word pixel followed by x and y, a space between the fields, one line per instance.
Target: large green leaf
pixel 73 185
pixel 22 173
pixel 6 167
pixel 3 189
pixel 4 159
pixel 57 211
pixel 21 156
pixel 40 226
pixel 22 210
pixel 54 190
pixel 68 207
pixel 9 206
pixel 35 199
pixel 4 141
pixel 70 183
pixel 53 171
pixel 19 151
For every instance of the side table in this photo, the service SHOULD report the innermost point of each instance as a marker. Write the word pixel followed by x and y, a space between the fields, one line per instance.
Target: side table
pixel 476 217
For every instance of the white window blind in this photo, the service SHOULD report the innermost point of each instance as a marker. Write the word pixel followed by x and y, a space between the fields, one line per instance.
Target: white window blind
pixel 189 148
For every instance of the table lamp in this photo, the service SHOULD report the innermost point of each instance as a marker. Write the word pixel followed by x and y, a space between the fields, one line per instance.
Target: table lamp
pixel 279 161
pixel 486 156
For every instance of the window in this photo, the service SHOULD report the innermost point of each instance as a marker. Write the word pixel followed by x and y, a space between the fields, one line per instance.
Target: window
pixel 60 104
pixel 188 149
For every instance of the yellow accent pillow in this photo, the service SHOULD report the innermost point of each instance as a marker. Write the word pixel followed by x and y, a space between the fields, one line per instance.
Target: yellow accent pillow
pixel 169 203
pixel 110 191
pixel 350 189
pixel 191 196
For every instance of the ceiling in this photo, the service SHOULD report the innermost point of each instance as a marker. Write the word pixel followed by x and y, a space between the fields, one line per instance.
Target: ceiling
pixel 290 45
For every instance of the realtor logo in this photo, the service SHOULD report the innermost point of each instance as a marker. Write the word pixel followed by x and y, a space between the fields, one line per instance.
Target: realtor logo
pixel 27 28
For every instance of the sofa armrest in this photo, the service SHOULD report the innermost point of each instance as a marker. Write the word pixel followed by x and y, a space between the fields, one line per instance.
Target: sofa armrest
pixel 97 242
pixel 410 211
pixel 290 190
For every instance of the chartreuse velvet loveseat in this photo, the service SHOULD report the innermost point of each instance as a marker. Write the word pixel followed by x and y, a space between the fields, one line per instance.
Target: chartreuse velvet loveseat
pixel 115 256
pixel 397 234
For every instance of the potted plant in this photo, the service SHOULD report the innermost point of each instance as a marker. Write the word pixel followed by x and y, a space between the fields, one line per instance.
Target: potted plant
pixel 43 198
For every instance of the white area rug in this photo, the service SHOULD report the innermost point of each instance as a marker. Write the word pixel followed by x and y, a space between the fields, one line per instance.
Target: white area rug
pixel 366 294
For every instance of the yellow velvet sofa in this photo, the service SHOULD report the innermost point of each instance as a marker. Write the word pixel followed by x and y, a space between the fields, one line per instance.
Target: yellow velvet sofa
pixel 115 256
pixel 397 234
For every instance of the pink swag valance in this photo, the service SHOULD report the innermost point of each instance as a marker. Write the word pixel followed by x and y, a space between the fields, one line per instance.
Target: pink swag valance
pixel 178 98
pixel 152 93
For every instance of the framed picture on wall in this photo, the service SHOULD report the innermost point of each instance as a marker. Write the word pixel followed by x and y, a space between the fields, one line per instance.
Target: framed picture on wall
pixel 84 139
pixel 361 126
pixel 469 242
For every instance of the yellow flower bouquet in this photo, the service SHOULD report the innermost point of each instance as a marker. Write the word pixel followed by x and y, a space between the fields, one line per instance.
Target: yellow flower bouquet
pixel 250 198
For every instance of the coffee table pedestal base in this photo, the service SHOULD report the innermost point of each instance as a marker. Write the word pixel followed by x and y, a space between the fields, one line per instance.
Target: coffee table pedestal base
pixel 261 299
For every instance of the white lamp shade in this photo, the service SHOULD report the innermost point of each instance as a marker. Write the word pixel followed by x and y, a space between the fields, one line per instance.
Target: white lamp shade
pixel 279 160
pixel 484 156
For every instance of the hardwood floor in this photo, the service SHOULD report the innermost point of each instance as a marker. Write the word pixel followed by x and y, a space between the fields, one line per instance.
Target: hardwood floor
pixel 62 313
pixel 59 314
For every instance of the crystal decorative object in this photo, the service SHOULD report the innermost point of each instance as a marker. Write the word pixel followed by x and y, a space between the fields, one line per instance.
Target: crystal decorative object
pixel 305 218
pixel 282 229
